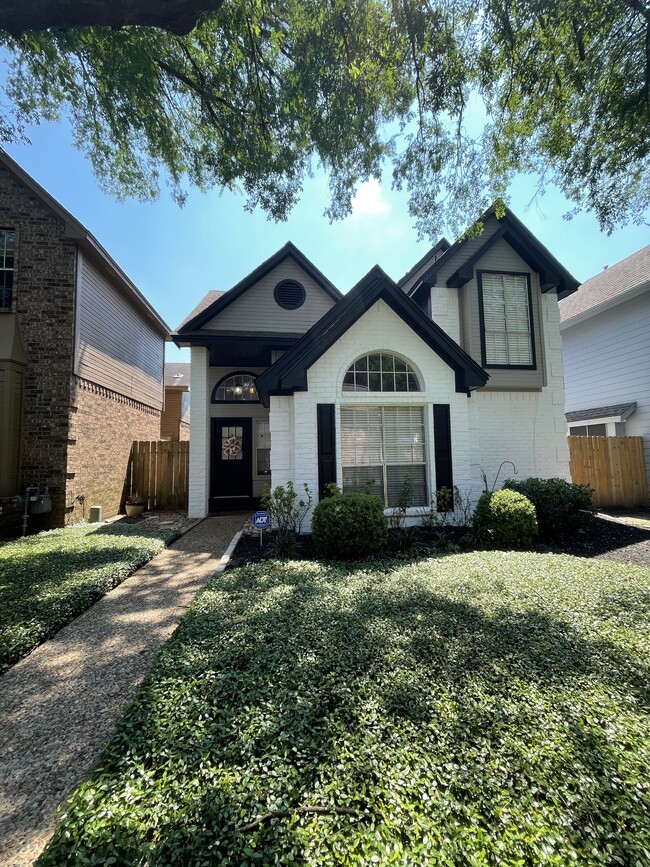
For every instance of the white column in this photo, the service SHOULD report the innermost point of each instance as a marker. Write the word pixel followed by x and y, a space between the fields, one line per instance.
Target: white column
pixel 199 433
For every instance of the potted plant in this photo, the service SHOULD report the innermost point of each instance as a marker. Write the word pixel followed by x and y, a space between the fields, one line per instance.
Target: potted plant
pixel 134 506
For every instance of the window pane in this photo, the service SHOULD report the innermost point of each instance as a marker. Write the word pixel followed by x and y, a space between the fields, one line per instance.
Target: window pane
pixel 384 442
pixel 358 479
pixel 579 431
pixel 239 387
pixel 506 319
pixel 397 475
pixel 380 372
pixel 597 430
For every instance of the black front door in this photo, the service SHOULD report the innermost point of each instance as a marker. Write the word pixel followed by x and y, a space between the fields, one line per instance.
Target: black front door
pixel 231 467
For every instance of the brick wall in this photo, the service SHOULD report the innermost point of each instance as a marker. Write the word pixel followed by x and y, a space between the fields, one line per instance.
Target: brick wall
pixel 526 427
pixel 102 428
pixel 294 446
pixel 43 298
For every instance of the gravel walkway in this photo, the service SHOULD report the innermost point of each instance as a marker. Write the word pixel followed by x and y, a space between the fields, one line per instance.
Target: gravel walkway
pixel 58 705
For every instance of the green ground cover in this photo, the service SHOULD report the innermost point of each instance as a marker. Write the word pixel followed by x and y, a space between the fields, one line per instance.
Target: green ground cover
pixel 48 579
pixel 475 709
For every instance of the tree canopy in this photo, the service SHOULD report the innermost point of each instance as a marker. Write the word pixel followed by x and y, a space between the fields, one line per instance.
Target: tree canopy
pixel 456 96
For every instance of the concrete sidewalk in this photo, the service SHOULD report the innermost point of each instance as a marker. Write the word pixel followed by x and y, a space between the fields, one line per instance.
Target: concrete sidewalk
pixel 59 705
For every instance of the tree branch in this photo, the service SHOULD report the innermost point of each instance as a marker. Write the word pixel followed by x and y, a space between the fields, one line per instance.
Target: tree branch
pixel 175 16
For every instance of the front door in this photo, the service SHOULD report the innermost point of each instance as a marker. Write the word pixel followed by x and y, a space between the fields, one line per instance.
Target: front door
pixel 231 468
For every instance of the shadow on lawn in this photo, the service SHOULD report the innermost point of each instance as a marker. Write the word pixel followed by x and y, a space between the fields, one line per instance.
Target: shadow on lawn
pixel 294 692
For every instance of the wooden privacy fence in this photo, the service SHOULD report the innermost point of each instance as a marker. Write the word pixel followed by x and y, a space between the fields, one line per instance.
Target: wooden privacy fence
pixel 613 466
pixel 158 474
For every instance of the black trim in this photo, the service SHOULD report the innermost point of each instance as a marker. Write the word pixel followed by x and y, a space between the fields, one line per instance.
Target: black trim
pixel 213 396
pixel 552 275
pixel 289 294
pixel 289 251
pixel 326 424
pixel 442 447
pixel 481 314
pixel 441 247
pixel 289 373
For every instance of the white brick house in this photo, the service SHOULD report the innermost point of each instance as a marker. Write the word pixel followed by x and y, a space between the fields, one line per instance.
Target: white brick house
pixel 439 377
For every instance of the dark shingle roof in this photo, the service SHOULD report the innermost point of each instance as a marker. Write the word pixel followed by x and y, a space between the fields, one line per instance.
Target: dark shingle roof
pixel 172 372
pixel 609 284
pixel 617 409
pixel 203 304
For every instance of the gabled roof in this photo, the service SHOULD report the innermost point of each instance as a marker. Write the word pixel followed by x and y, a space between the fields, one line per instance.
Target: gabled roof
pixel 441 247
pixel 74 229
pixel 609 287
pixel 289 373
pixel 205 302
pixel 616 411
pixel 289 251
pixel 552 274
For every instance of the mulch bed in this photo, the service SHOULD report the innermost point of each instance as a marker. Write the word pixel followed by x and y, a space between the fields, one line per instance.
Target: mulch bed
pixel 598 538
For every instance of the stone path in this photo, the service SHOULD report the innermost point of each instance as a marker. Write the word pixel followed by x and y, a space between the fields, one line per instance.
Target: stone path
pixel 58 706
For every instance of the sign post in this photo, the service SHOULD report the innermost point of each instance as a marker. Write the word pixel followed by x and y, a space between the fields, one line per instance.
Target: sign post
pixel 261 521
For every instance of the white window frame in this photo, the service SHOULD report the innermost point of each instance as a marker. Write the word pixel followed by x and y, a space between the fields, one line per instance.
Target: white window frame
pixel 610 423
pixel 257 423
pixel 383 462
pixel 516 328
pixel 4 233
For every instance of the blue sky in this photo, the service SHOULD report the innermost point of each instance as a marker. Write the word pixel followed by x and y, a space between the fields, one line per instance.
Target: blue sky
pixel 175 255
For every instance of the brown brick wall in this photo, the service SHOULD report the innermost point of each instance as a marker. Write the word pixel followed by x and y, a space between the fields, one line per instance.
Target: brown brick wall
pixel 103 427
pixel 184 431
pixel 43 298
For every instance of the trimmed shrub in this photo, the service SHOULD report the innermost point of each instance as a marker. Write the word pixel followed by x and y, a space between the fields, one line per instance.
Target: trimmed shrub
pixel 558 504
pixel 505 519
pixel 349 526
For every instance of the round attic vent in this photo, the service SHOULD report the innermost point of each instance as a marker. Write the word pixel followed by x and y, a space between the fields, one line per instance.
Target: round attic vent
pixel 289 294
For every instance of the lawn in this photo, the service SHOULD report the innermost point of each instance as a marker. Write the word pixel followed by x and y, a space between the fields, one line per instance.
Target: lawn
pixel 48 579
pixel 475 709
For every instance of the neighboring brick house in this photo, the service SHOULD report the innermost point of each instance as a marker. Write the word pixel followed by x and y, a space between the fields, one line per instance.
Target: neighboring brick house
pixel 81 357
pixel 175 418
pixel 605 329
pixel 440 377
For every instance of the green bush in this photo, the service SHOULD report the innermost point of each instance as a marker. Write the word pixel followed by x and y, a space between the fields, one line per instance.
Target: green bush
pixel 349 526
pixel 558 504
pixel 505 519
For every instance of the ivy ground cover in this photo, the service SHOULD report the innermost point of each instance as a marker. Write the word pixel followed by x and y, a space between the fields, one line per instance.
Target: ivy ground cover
pixel 48 579
pixel 476 709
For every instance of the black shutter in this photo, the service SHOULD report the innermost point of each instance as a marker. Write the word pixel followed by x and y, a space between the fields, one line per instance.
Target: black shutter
pixel 442 446
pixel 326 447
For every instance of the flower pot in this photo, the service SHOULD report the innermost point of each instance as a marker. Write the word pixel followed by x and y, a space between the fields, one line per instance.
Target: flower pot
pixel 134 509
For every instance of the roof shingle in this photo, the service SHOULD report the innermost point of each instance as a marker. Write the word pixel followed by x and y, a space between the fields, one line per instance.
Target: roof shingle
pixel 608 285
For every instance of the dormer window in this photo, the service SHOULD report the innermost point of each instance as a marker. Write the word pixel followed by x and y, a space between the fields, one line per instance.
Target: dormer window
pixel 7 249
pixel 505 305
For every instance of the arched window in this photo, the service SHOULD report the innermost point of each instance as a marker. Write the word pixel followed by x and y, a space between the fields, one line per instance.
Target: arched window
pixel 381 371
pixel 236 388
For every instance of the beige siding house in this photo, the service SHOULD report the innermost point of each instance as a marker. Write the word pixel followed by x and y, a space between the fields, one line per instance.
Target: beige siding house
pixel 438 378
pixel 81 358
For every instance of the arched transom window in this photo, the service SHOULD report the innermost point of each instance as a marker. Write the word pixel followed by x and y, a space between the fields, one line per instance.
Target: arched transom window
pixel 381 371
pixel 235 388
